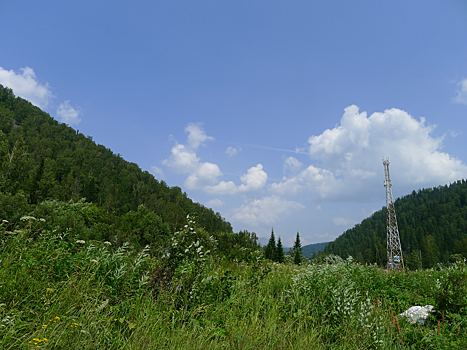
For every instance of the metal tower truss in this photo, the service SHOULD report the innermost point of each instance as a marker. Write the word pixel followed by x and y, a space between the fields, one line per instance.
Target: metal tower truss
pixel 395 259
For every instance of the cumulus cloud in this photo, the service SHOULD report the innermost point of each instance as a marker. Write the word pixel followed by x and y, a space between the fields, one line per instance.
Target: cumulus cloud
pixel 214 203
pixel 253 181
pixel 26 85
pixel 292 165
pixel 204 175
pixel 461 92
pixel 157 172
pixel 338 221
pixel 67 114
pixel 183 158
pixel 322 182
pixel 231 151
pixel 196 135
pixel 350 157
pixel 266 210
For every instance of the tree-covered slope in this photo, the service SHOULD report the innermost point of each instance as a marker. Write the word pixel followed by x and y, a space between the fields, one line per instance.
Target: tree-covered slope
pixel 42 159
pixel 310 249
pixel 432 226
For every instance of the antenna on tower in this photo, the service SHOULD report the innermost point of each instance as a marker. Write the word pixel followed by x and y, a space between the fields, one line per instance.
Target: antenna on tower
pixel 395 260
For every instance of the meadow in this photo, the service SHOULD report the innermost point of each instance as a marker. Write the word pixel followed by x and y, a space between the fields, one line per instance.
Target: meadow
pixel 58 291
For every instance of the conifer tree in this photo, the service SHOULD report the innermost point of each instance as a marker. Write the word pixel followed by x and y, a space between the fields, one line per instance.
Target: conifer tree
pixel 270 250
pixel 297 251
pixel 279 256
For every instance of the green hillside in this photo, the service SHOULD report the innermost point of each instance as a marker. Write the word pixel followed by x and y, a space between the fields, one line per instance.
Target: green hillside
pixel 42 159
pixel 310 249
pixel 432 225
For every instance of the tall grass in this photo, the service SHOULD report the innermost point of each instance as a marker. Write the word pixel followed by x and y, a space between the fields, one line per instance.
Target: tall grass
pixel 62 293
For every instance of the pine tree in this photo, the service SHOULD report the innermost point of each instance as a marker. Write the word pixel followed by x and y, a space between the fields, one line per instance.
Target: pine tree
pixel 279 256
pixel 270 250
pixel 297 251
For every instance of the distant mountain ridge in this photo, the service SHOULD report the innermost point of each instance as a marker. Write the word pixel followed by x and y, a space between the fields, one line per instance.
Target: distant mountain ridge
pixel 309 249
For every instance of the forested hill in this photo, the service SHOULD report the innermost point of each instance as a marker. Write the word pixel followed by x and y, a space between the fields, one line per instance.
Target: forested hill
pixel 432 224
pixel 42 159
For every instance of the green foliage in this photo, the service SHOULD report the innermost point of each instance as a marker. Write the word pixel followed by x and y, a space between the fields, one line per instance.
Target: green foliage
pixel 143 227
pixel 430 253
pixel 241 246
pixel 270 249
pixel 57 292
pixel 279 255
pixel 297 250
pixel 13 206
pixel 451 288
pixel 413 261
pixel 431 220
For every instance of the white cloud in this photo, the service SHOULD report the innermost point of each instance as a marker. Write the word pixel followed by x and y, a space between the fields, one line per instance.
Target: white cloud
pixel 253 181
pixel 231 151
pixel 196 135
pixel 350 157
pixel 204 176
pixel 223 187
pixel 26 85
pixel 182 159
pixel 322 182
pixel 267 210
pixel 326 237
pixel 461 93
pixel 214 203
pixel 157 172
pixel 292 165
pixel 342 221
pixel 68 114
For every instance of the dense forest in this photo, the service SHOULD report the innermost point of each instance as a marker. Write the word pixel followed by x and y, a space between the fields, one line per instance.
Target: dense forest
pixel 432 227
pixel 42 160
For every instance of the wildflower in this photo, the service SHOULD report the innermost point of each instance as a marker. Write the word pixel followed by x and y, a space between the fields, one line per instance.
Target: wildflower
pixel 42 220
pixel 44 326
pixel 56 319
pixel 80 241
pixel 27 217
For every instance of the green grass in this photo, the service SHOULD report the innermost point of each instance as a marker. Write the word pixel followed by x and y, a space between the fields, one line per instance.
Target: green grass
pixel 93 296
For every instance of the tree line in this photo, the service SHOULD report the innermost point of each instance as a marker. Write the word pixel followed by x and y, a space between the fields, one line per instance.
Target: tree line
pixel 432 226
pixel 275 252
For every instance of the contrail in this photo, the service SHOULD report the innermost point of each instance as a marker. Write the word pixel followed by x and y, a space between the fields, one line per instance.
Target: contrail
pixel 264 147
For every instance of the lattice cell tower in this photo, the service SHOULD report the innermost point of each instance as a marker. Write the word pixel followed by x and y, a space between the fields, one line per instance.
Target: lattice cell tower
pixel 395 260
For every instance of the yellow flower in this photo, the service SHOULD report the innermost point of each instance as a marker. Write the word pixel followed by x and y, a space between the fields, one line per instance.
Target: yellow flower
pixel 44 326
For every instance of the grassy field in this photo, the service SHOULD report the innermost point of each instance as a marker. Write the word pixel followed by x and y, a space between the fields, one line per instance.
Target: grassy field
pixel 63 293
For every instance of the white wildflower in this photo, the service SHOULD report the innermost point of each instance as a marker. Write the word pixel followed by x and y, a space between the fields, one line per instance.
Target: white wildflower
pixel 27 217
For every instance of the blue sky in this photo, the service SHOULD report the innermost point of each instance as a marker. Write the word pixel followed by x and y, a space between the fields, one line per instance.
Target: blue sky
pixel 276 114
